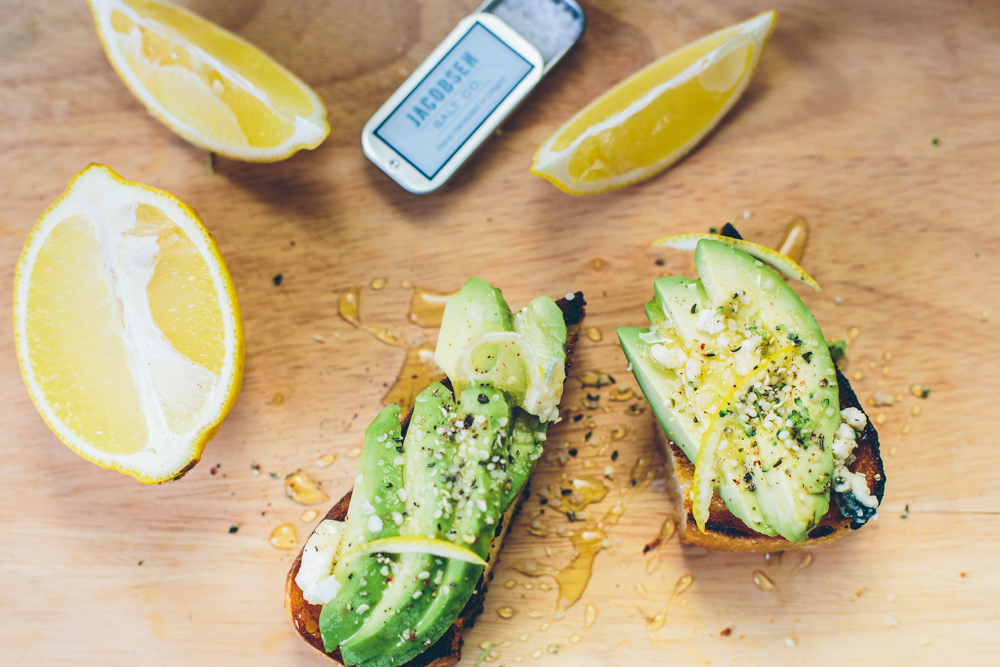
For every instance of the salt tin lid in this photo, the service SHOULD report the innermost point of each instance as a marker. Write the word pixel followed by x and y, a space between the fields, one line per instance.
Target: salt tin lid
pixel 552 26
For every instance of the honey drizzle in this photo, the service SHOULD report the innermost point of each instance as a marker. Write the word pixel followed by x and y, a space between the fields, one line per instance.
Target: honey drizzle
pixel 348 308
pixel 417 373
pixel 660 618
pixel 587 543
pixel 793 244
pixel 284 537
pixel 427 307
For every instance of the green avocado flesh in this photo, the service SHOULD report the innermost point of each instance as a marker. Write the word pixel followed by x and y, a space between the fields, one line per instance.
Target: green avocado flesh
pixel 465 458
pixel 739 375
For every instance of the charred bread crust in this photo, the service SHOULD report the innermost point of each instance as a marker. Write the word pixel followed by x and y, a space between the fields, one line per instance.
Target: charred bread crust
pixel 725 532
pixel 448 649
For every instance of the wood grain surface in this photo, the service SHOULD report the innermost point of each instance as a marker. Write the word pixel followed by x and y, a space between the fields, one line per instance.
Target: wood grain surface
pixel 876 121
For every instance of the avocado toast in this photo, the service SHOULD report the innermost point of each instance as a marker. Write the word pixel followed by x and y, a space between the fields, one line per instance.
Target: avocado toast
pixel 769 445
pixel 399 566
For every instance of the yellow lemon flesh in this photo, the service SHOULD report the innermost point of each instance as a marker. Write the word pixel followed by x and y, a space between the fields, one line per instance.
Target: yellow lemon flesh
pixel 208 85
pixel 652 119
pixel 127 326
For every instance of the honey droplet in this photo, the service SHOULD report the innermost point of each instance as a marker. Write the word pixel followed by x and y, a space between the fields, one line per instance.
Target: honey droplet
pixel 915 410
pixel 534 614
pixel 879 418
pixel 621 394
pixel 377 283
pixel 794 242
pixel 418 372
pixel 544 626
pixel 326 460
pixel 510 583
pixel 354 452
pixel 406 284
pixel 309 515
pixel 763 582
pixel 348 306
pixel 349 309
pixel 552 648
pixel 576 493
pixel 773 558
pixel 858 375
pixel 803 563
pixel 537 653
pixel 887 356
pixel 594 334
pixel 524 637
pixel 544 586
pixel 284 537
pixel 518 658
pixel 635 410
pixel 574 639
pixel 618 431
pixel 278 399
pixel 919 390
pixel 906 427
pixel 302 489
pixel 641 591
pixel 598 264
pixel 683 583
pixel 427 307
pixel 528 585
pixel 506 612
pixel 589 615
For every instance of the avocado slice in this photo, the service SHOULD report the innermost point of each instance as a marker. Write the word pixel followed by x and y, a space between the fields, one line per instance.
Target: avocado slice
pixel 456 472
pixel 373 504
pixel 770 458
pixel 475 309
pixel 428 453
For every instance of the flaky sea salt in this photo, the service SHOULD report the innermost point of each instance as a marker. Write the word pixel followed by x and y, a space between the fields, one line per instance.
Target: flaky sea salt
pixel 551 25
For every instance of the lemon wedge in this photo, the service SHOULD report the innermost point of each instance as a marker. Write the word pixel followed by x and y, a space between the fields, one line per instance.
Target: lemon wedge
pixel 127 327
pixel 783 264
pixel 653 118
pixel 208 85
pixel 414 545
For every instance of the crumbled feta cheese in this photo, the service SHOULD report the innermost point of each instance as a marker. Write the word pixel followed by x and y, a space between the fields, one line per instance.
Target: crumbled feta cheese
pixel 367 508
pixel 855 418
pixel 315 577
pixel 668 357
pixel 374 524
pixel 710 322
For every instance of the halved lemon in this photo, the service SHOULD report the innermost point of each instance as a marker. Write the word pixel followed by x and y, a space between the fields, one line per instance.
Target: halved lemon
pixel 653 118
pixel 127 327
pixel 208 85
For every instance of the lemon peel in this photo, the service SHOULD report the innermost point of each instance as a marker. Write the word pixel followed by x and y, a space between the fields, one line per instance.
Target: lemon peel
pixel 781 263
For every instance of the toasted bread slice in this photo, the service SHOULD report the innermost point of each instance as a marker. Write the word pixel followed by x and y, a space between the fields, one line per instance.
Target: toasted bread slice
pixel 448 649
pixel 726 532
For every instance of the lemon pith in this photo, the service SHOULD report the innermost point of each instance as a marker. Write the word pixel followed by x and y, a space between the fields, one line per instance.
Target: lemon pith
pixel 127 326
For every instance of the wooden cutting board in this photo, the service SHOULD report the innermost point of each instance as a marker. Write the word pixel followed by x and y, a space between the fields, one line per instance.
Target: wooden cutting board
pixel 877 122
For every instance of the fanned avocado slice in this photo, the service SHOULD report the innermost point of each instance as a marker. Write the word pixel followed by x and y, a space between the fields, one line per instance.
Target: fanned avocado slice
pixel 374 502
pixel 771 460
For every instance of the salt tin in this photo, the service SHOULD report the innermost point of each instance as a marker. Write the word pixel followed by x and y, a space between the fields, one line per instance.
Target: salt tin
pixel 467 87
